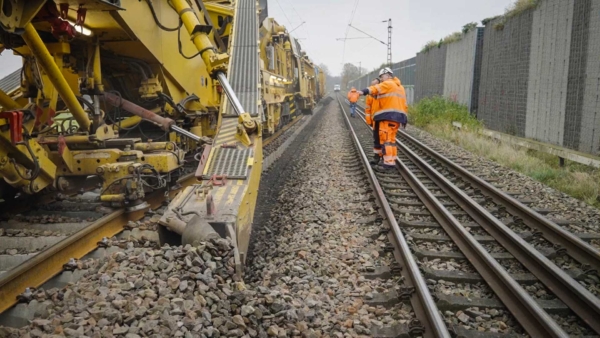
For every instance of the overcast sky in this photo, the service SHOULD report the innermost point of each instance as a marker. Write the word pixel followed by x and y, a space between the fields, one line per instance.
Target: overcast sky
pixel 415 23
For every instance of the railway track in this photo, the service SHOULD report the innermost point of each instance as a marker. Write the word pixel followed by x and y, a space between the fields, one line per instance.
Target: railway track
pixel 50 240
pixel 44 240
pixel 468 237
pixel 440 271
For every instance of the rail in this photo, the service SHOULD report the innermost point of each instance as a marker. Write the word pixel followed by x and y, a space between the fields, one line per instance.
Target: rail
pixel 424 304
pixel 42 267
pixel 574 295
pixel 530 315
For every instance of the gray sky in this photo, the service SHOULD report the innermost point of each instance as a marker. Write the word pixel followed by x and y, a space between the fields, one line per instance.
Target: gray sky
pixel 415 23
pixel 8 63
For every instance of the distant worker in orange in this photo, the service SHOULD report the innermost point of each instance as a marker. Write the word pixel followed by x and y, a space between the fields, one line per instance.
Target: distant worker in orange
pixel 353 98
pixel 391 113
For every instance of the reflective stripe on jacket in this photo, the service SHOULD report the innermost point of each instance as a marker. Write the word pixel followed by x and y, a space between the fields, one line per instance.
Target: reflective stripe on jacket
pixel 391 99
pixel 371 107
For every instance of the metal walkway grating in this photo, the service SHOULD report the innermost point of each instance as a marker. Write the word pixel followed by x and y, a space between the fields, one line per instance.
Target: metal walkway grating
pixel 245 68
pixel 230 162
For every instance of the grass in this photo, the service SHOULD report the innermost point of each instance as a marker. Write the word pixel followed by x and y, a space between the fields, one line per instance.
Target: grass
pixel 436 115
pixel 429 45
pixel 441 111
pixel 454 37
pixel 469 27
pixel 518 7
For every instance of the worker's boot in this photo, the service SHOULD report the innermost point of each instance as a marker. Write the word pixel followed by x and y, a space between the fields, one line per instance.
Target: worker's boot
pixel 384 169
pixel 376 159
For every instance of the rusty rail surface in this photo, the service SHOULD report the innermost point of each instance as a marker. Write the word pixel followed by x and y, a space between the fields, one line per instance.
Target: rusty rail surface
pixel 422 302
pixel 582 302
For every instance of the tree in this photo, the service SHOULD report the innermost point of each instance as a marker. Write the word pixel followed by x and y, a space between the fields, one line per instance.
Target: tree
pixel 330 80
pixel 325 69
pixel 349 72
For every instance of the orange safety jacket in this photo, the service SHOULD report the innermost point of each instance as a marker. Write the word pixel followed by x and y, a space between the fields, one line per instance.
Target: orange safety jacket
pixel 371 107
pixel 353 96
pixel 391 99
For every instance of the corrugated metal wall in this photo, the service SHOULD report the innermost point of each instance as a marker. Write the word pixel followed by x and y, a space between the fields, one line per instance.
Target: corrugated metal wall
pixel 431 73
pixel 460 63
pixel 505 74
pixel 576 74
pixel 548 71
pixel 589 139
pixel 477 71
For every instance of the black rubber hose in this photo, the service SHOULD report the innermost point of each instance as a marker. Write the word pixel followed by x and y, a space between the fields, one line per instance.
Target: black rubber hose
pixel 149 2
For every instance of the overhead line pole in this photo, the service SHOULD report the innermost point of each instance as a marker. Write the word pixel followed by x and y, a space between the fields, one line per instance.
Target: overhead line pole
pixel 389 44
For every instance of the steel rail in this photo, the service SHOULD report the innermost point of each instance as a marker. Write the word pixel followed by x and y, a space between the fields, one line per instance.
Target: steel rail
pixel 524 308
pixel 574 295
pixel 554 233
pixel 40 268
pixel 574 246
pixel 424 306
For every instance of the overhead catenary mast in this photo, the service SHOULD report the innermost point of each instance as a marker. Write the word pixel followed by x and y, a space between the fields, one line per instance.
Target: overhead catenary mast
pixel 389 43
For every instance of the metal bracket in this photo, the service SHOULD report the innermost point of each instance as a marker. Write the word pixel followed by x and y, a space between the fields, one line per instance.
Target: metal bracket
pixel 210 206
pixel 81 13
pixel 15 123
pixel 415 328
pixel 71 265
pixel 206 29
pixel 203 161
pixel 517 221
pixel 218 180
pixel 406 292
pixel 396 269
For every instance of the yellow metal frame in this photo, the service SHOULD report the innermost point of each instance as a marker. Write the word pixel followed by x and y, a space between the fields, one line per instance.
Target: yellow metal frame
pixel 48 64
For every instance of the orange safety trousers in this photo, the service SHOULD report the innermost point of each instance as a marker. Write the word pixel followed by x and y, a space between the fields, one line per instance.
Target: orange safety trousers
pixel 384 135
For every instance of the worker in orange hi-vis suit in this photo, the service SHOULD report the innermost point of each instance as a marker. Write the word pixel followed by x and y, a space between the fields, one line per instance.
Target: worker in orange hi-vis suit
pixel 353 98
pixel 371 107
pixel 391 113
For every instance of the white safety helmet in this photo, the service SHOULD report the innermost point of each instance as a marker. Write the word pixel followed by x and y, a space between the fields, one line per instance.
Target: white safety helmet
pixel 385 70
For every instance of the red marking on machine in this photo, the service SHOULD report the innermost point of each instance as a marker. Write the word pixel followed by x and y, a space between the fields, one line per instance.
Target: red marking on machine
pixel 15 123
pixel 218 180
pixel 203 160
pixel 62 145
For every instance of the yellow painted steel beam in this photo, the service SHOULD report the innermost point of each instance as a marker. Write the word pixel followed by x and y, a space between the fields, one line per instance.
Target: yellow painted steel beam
pixel 200 40
pixel 43 266
pixel 219 9
pixel 7 102
pixel 128 122
pixel 96 67
pixel 45 59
